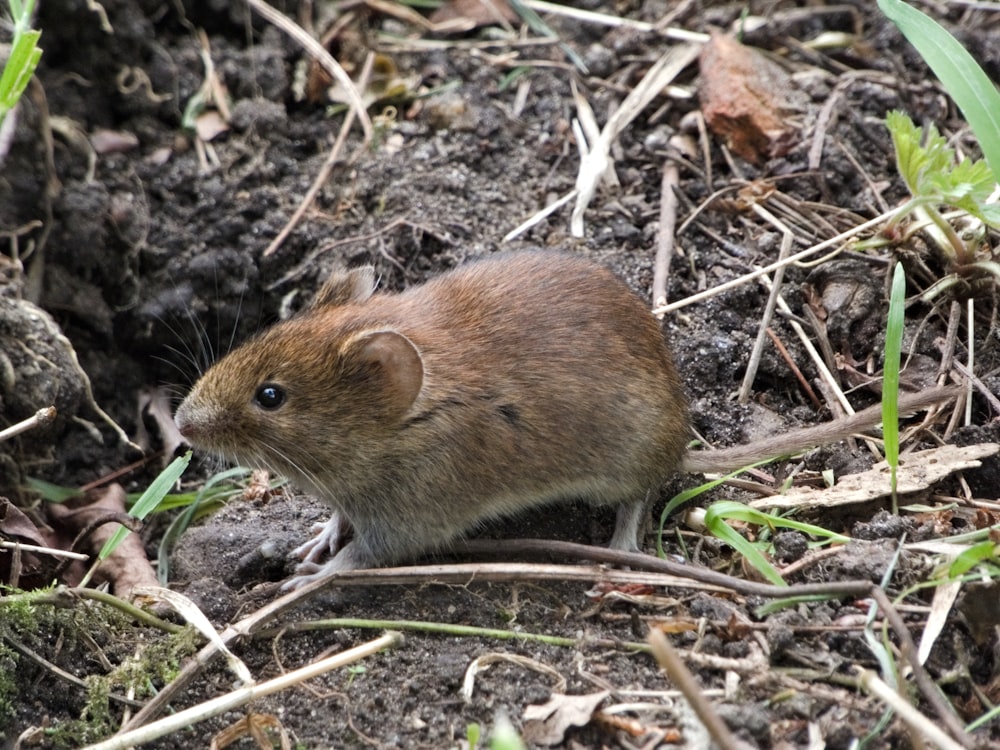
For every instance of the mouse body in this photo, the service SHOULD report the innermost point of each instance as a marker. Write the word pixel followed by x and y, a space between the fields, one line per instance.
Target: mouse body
pixel 508 383
pixel 505 384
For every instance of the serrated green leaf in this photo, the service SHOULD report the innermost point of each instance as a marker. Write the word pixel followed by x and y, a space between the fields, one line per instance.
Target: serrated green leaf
pixel 968 181
pixel 961 75
pixel 910 157
pixel 990 214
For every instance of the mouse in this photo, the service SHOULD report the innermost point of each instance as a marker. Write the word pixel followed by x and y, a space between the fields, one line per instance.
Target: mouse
pixel 509 382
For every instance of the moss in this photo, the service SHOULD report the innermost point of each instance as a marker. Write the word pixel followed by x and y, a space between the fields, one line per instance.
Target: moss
pixel 83 638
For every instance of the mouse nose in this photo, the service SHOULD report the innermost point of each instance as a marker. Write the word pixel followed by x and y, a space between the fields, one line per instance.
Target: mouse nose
pixel 185 422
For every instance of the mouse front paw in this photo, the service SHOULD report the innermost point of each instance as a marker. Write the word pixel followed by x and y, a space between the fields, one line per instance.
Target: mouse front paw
pixel 351 557
pixel 327 539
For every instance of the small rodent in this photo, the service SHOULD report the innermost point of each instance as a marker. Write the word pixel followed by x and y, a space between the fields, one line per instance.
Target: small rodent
pixel 505 384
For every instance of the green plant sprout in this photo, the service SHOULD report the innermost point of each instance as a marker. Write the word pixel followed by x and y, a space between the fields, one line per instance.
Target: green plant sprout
pixel 928 165
pixel 716 523
pixel 985 555
pixel 890 376
pixel 963 78
pixel 354 671
pixel 690 494
pixel 24 56
pixel 935 178
pixel 472 734
pixel 504 736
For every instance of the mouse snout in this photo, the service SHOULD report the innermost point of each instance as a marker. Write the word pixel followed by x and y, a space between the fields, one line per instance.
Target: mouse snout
pixel 187 421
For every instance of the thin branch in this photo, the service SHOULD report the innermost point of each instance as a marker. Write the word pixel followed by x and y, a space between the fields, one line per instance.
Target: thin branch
pixel 717 290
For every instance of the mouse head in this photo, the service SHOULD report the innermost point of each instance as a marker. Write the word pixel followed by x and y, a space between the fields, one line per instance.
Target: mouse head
pixel 311 393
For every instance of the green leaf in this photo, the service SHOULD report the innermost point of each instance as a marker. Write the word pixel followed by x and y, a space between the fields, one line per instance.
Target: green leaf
pixel 970 558
pixel 890 373
pixel 149 500
pixel 715 522
pixel 206 500
pixel 990 213
pixel 689 494
pixel 19 68
pixel 910 156
pixel 966 185
pixel 961 75
pixel 52 493
pixel 739 512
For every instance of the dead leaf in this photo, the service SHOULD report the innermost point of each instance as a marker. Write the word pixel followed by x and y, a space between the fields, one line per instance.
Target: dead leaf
pixel 19 567
pixel 106 141
pixel 253 725
pixel 547 724
pixel 15 525
pixel 941 603
pixel 465 15
pixel 747 99
pixel 484 662
pixel 127 567
pixel 917 471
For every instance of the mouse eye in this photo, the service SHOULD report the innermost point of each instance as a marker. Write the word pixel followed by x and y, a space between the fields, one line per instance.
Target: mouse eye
pixel 269 396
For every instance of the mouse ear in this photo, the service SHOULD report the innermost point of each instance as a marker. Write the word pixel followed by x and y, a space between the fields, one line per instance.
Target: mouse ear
pixel 394 360
pixel 344 287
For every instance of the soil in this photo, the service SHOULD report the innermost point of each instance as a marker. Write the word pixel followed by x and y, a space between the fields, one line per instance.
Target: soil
pixel 147 249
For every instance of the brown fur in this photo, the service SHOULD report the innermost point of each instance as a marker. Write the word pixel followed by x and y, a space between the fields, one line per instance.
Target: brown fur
pixel 508 383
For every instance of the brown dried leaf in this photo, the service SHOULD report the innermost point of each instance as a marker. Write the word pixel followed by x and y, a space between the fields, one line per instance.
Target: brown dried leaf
pixel 917 471
pixel 746 99
pixel 253 725
pixel 15 525
pixel 465 15
pixel 547 724
pixel 128 566
pixel 19 567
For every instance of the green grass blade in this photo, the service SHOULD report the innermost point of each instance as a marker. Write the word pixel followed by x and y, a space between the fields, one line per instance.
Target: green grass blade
pixel 207 499
pixel 961 75
pixel 746 514
pixel 689 494
pixel 18 69
pixel 715 522
pixel 890 374
pixel 156 491
pixel 52 493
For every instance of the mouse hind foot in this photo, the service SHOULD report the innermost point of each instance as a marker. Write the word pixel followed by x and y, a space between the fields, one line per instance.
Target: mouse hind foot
pixel 631 517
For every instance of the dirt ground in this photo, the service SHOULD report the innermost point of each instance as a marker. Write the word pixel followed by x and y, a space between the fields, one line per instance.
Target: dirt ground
pixel 146 244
